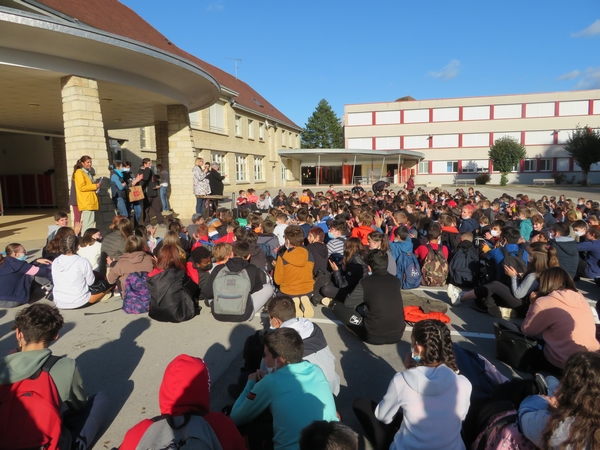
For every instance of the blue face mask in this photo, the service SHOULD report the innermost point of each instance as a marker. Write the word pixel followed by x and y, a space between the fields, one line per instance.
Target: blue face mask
pixel 331 236
pixel 416 358
pixel 22 258
pixel 126 169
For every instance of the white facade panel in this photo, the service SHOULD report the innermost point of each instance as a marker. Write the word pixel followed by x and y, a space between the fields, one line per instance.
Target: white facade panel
pixel 360 118
pixel 387 117
pixel 360 143
pixel 539 109
pixel 445 140
pixel 445 114
pixel 579 108
pixel 416 115
pixel 562 164
pixel 596 106
pixel 439 167
pixel 563 136
pixel 387 143
pixel 507 111
pixel 476 112
pixel 411 142
pixel 476 140
pixel 539 137
pixel 515 135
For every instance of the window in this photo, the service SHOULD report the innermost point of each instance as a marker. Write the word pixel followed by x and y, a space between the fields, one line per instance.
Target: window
pixel 452 166
pixel 424 167
pixel 216 114
pixel 562 164
pixel 445 166
pixel 194 119
pixel 250 129
pixel 261 131
pixel 514 169
pixel 238 125
pixel 258 168
pixel 283 137
pixel 283 172
pixel 546 165
pixel 220 159
pixel 530 165
pixel 240 168
pixel 143 138
pixel 475 166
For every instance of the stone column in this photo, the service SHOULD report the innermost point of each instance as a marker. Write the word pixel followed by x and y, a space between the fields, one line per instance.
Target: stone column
pixel 181 161
pixel 85 135
pixel 62 174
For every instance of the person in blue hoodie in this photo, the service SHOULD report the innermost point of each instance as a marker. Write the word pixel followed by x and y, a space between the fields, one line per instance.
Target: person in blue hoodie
pixel 525 226
pixel 467 223
pixel 118 188
pixel 589 267
pixel 509 240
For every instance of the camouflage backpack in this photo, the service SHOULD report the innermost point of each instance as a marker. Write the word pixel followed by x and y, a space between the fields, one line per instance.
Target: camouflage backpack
pixel 435 267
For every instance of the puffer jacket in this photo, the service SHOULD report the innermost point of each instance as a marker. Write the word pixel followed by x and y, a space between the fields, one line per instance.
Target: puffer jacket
pixel 85 189
pixel 294 272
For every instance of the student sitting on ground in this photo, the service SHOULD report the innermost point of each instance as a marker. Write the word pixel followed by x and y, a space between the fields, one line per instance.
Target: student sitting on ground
pixel 364 228
pixel 294 391
pixel 135 259
pixel 221 253
pixel 590 248
pixel 184 398
pixel 238 289
pixel 17 276
pixel 566 248
pixel 198 268
pixel 374 310
pixel 36 327
pixel 90 247
pixel 323 435
pixel 52 249
pixel 433 258
pixel 347 274
pixel 61 219
pixel 75 284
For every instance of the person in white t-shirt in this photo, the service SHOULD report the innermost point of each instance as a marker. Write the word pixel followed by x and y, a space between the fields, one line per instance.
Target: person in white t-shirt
pixel 73 278
pixel 90 248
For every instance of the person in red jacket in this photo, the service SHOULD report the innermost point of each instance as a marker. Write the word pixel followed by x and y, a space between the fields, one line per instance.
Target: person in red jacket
pixel 185 389
pixel 365 220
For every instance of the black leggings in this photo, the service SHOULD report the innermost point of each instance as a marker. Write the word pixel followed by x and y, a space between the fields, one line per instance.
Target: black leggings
pixel 380 434
pixel 500 293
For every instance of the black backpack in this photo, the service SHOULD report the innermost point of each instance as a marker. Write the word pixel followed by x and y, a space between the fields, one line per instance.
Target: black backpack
pixel 514 260
pixel 173 296
pixel 465 267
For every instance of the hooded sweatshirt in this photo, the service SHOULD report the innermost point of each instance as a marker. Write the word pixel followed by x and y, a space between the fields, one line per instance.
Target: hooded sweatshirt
pixel 186 389
pixel 130 263
pixel 294 272
pixel 434 401
pixel 72 276
pixel 15 279
pixel 361 233
pixel 567 252
pixel 565 321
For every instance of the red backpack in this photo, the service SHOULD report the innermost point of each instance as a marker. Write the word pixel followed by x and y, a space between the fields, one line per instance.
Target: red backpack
pixel 30 411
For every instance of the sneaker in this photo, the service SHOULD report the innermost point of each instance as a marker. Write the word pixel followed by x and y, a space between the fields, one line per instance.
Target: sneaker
pixel 326 301
pixel 455 294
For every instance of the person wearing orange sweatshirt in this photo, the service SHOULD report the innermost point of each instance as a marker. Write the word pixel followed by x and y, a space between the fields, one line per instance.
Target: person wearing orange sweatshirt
pixel 365 220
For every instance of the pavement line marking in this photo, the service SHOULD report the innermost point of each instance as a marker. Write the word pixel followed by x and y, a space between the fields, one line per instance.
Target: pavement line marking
pixel 408 328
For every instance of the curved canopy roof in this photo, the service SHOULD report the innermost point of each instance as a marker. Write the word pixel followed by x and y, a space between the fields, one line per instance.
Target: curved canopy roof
pixel 336 156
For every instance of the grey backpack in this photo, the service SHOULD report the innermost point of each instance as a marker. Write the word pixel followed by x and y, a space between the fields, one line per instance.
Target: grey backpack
pixel 231 296
pixel 190 432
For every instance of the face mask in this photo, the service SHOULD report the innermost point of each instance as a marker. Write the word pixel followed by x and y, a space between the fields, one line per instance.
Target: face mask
pixel 370 273
pixel 494 233
pixel 482 225
pixel 207 267
pixel 22 258
pixel 580 204
pixel 416 358
pixel 126 169
pixel 580 233
pixel 331 236
pixel 552 235
pixel 271 369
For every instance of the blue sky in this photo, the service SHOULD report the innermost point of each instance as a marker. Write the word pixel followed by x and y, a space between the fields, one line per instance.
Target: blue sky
pixel 296 53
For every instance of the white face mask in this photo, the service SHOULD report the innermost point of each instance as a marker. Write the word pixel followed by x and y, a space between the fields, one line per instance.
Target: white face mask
pixel 580 233
pixel 494 233
pixel 271 369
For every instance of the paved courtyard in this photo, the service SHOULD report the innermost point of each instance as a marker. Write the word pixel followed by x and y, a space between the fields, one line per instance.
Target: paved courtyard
pixel 125 355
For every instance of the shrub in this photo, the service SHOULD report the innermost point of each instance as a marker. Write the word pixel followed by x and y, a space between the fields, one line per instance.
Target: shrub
pixel 483 178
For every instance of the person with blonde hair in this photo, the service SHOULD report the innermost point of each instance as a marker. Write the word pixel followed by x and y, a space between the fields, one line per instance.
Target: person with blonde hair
pixel 201 185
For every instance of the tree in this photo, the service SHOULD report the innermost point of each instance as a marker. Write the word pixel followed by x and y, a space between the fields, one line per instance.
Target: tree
pixel 584 146
pixel 506 153
pixel 323 129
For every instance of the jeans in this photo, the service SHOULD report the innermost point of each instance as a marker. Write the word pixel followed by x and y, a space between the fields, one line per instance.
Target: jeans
pixel 163 198
pixel 137 211
pixel 199 206
pixel 121 206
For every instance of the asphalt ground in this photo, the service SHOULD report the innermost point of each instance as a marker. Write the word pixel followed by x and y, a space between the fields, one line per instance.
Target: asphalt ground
pixel 125 355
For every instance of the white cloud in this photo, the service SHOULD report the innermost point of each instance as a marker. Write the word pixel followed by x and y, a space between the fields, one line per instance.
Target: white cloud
pixel 592 30
pixel 448 72
pixel 216 6
pixel 590 79
pixel 569 76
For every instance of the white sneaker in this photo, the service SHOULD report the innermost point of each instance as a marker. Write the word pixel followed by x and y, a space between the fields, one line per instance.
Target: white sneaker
pixel 454 293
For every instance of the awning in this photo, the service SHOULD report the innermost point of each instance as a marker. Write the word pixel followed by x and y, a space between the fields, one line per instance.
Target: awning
pixel 339 156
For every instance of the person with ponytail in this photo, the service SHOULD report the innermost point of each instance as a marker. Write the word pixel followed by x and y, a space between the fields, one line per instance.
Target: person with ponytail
pixel 496 295
pixel 568 417
pixel 425 404
pixel 75 284
pixel 85 190
pixel 17 275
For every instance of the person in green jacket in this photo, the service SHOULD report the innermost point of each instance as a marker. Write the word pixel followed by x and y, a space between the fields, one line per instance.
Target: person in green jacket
pixel 36 327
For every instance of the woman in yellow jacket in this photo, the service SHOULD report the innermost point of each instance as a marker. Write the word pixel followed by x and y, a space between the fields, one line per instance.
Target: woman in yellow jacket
pixel 85 189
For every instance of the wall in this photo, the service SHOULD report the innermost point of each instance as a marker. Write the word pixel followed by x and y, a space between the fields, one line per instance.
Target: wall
pixel 25 154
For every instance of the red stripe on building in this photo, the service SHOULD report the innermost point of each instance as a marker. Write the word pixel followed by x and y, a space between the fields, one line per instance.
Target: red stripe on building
pixel 522 138
pixel 521 165
pixel 402 142
pixel 401 116
pixel 459 140
pixel 491 139
pixel 374 118
pixel 430 166
pixel 460 166
pixel 538 164
pixel 430 141
pixel 374 144
pixel 591 108
pixel 431 114
pixel 556 109
pixel 555 138
pixel 491 112
pixel 460 113
pixel 523 110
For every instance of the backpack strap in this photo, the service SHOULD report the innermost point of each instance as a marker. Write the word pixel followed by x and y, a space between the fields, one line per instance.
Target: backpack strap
pixel 504 251
pixel 169 419
pixel 52 359
pixel 520 253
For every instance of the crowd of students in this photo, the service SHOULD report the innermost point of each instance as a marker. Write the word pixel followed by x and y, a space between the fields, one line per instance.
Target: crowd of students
pixel 354 252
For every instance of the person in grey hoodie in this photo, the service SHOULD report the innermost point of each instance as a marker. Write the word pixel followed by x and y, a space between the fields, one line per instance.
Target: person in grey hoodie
pixel 562 418
pixel 566 247
pixel 36 327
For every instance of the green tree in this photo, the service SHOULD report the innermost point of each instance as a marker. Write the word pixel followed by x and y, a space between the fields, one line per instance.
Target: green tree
pixel 323 129
pixel 584 146
pixel 505 154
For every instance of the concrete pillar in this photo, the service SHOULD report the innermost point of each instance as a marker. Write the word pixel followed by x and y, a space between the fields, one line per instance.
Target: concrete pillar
pixel 62 174
pixel 161 135
pixel 85 135
pixel 181 161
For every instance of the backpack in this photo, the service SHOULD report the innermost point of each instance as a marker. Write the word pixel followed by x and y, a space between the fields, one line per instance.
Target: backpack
pixel 435 267
pixel 231 296
pixel 193 433
pixel 500 431
pixel 464 267
pixel 173 296
pixel 408 270
pixel 30 411
pixel 514 260
pixel 136 296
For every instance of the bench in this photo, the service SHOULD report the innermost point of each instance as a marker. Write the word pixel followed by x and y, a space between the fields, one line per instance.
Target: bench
pixel 544 181
pixel 464 181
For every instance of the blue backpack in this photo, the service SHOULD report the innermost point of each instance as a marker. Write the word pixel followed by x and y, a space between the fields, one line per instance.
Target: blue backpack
pixel 136 296
pixel 408 270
